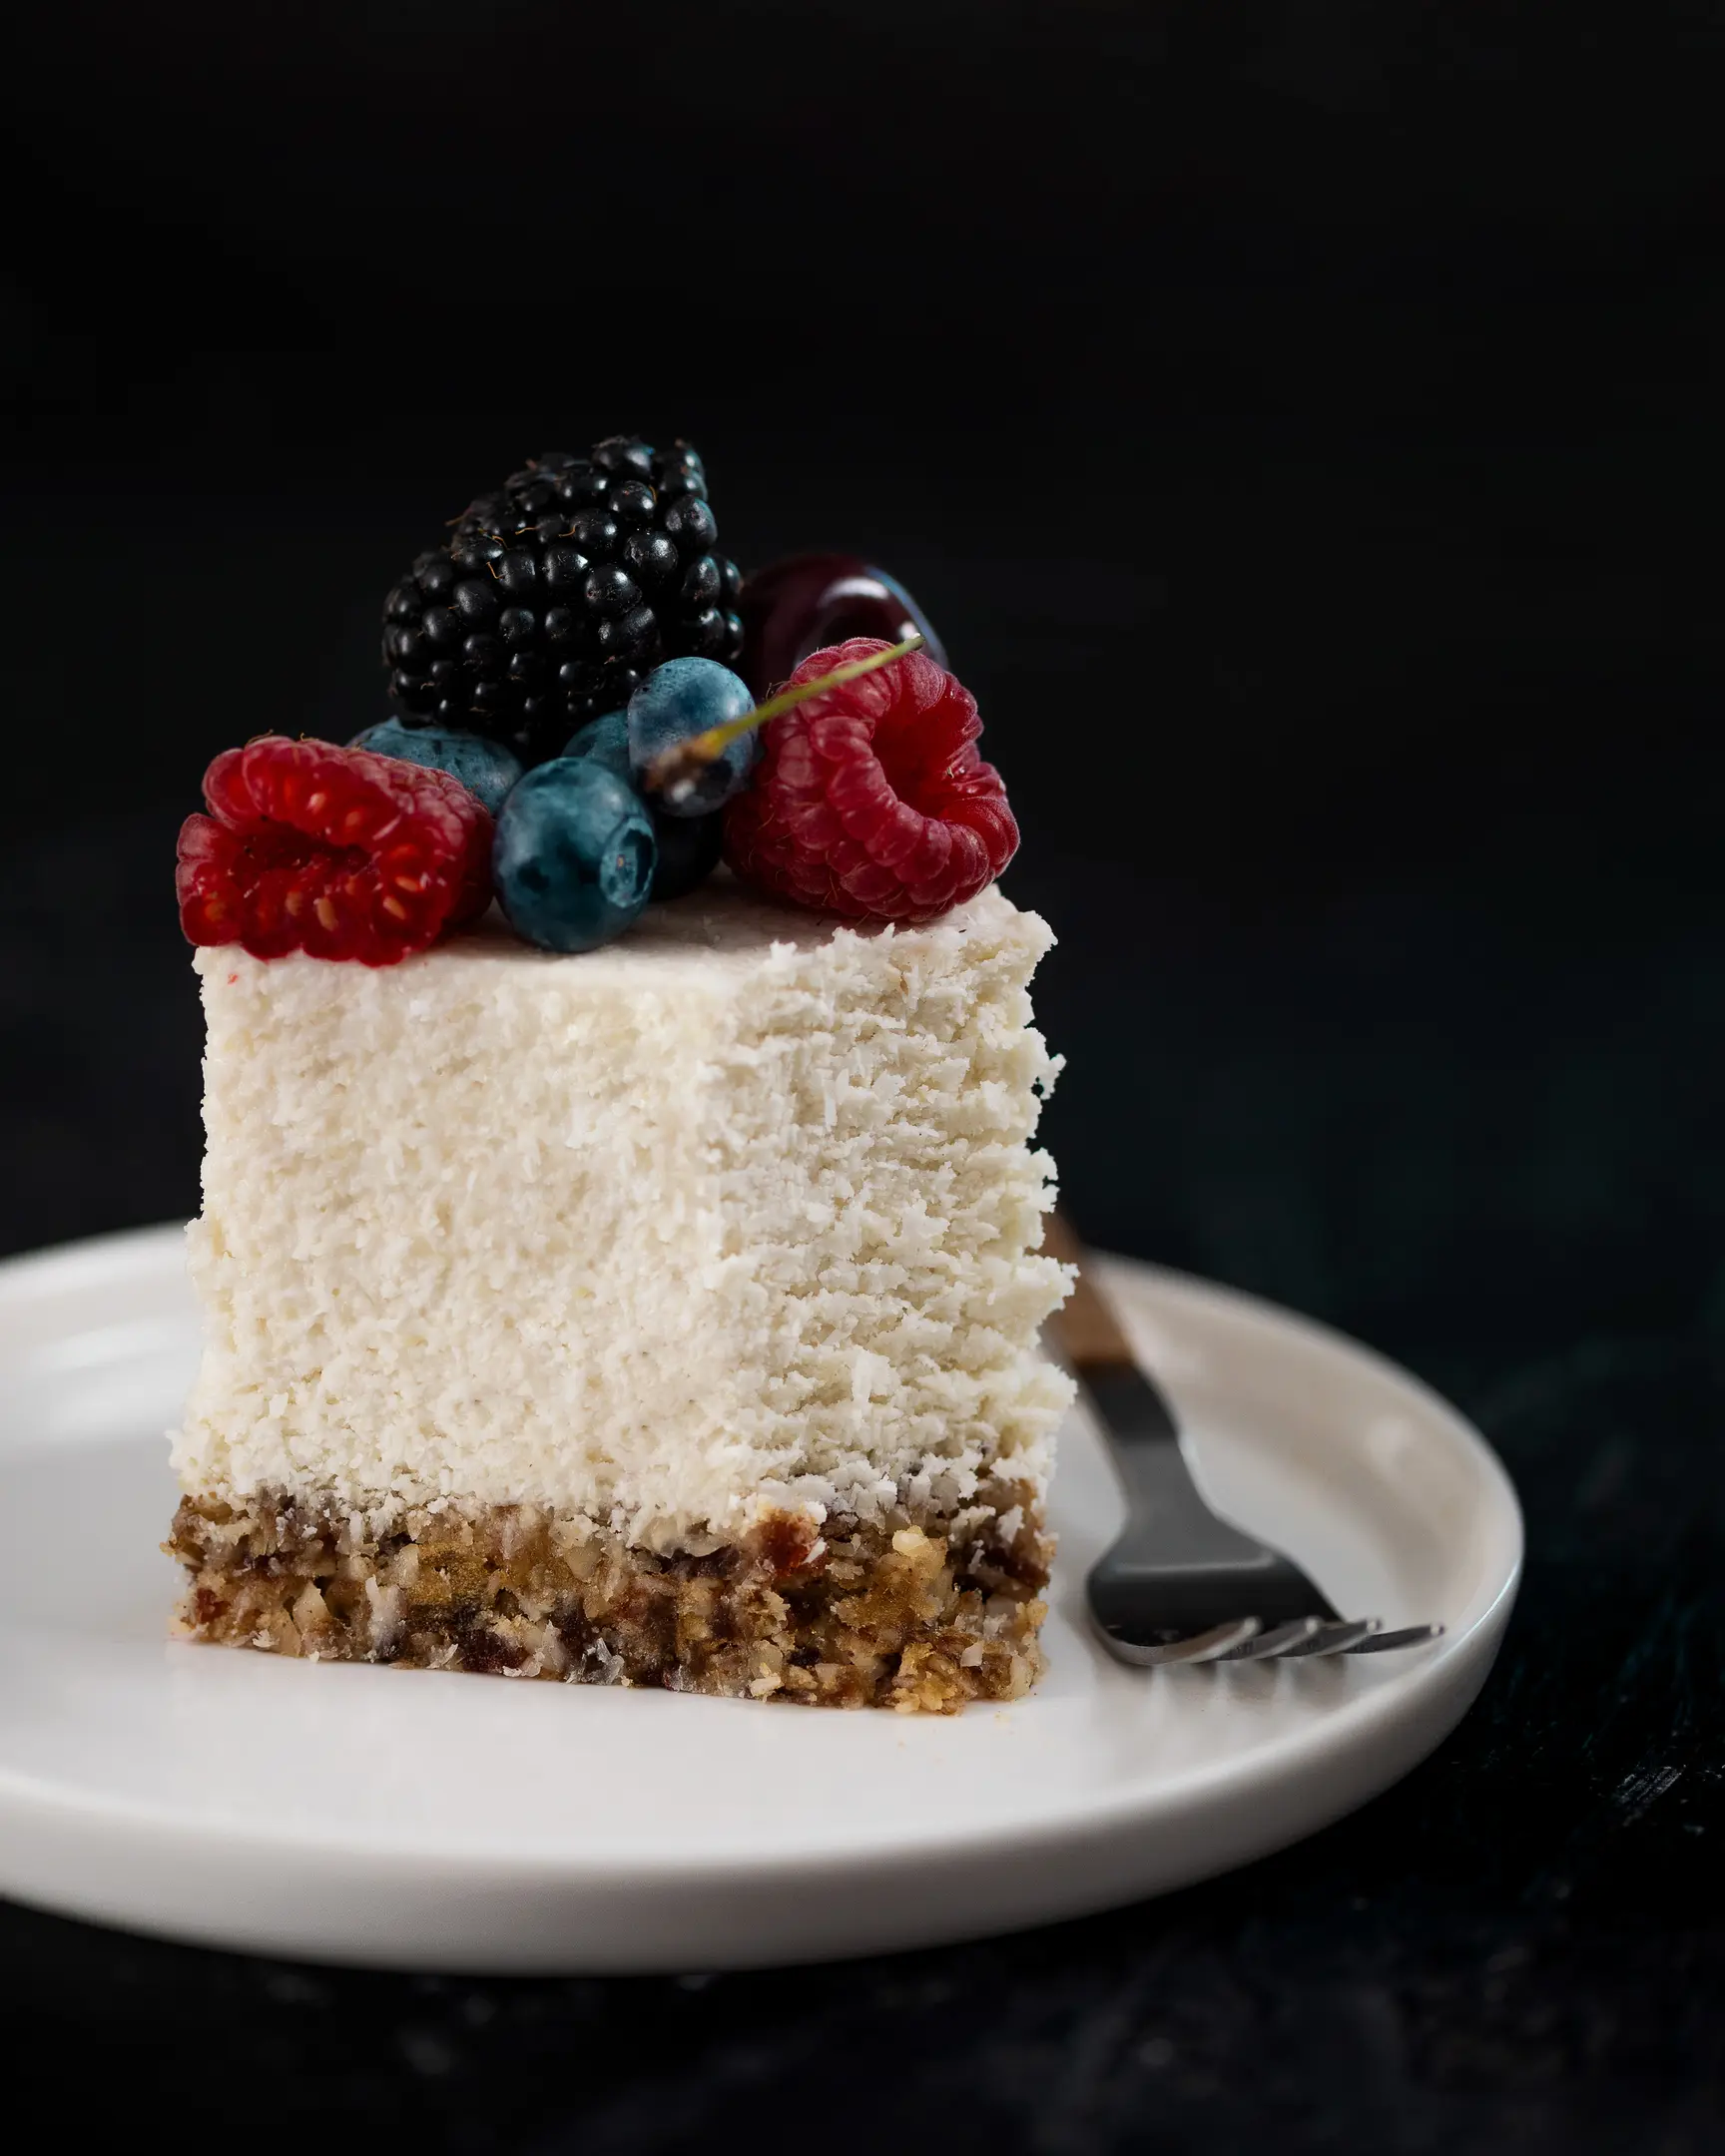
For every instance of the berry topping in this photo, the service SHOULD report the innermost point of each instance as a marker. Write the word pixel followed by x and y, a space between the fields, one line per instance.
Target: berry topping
pixel 574 856
pixel 676 701
pixel 337 853
pixel 689 851
pixel 484 768
pixel 870 800
pixel 606 741
pixel 808 602
pixel 555 596
pixel 689 846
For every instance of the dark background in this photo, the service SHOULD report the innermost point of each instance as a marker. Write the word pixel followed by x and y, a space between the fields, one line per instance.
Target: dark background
pixel 1304 425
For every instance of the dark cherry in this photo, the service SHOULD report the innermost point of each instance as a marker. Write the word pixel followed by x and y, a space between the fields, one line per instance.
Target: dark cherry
pixel 807 601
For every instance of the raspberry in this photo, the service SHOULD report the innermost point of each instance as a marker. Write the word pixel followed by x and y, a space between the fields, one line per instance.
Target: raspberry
pixel 333 851
pixel 870 800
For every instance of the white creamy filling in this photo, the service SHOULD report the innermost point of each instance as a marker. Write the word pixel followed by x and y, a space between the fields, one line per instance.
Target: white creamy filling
pixel 734 1212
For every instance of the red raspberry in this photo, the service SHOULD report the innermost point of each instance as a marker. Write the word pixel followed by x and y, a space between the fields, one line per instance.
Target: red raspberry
pixel 337 853
pixel 870 800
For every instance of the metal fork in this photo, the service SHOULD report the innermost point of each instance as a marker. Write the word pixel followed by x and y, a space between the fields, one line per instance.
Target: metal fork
pixel 1179 1584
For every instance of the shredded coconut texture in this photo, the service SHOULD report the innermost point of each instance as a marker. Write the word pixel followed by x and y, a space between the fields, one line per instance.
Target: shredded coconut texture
pixel 738 1214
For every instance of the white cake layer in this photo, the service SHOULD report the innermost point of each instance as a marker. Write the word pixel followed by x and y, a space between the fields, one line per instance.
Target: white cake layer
pixel 733 1212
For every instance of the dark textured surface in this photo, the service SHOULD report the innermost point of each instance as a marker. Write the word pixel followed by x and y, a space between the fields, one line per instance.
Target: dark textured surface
pixel 1309 452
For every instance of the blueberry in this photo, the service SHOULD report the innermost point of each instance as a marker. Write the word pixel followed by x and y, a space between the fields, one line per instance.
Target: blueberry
pixel 688 845
pixel 606 741
pixel 685 696
pixel 574 855
pixel 484 768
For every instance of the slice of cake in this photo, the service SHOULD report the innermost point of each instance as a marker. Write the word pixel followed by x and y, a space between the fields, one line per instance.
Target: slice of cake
pixel 642 1286
pixel 662 1313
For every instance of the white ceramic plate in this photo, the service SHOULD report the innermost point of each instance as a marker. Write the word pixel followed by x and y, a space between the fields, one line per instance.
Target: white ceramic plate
pixel 437 1820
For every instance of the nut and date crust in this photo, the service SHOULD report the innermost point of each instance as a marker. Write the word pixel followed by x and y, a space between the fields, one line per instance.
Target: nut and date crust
pixel 919 1615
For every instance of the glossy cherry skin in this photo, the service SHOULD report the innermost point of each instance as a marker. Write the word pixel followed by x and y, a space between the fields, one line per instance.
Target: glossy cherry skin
pixel 807 601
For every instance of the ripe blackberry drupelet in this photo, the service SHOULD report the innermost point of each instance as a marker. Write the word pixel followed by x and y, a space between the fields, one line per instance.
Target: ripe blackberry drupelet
pixel 554 597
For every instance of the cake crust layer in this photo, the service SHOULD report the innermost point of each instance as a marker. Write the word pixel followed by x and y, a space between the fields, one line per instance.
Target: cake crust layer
pixel 915 1614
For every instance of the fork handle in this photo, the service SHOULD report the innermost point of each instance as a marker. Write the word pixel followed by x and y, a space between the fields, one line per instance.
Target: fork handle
pixel 1142 1432
pixel 1145 1443
pixel 1088 1330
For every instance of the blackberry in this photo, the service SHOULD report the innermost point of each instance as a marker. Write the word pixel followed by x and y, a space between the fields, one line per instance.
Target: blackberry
pixel 554 597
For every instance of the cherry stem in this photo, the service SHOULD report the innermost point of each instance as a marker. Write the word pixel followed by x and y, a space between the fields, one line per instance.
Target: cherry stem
pixel 673 770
